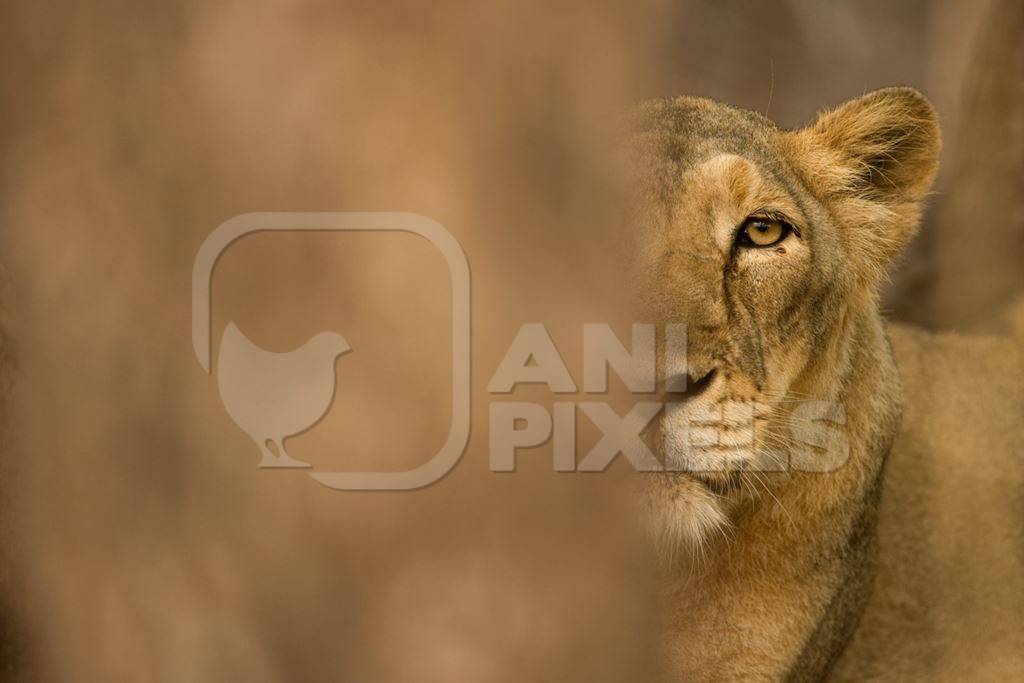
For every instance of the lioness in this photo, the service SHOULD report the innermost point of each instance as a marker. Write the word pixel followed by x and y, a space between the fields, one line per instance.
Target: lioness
pixel 904 558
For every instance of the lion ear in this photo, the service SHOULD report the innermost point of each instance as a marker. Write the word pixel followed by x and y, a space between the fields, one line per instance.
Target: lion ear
pixel 889 141
pixel 873 159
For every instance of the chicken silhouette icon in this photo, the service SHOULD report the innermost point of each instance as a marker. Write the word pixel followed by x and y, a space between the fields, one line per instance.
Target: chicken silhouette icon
pixel 273 396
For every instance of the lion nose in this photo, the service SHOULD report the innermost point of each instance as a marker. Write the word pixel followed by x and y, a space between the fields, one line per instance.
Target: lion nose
pixel 687 386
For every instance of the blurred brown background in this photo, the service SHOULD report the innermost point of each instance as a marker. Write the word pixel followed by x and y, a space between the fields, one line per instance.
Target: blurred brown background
pixel 140 542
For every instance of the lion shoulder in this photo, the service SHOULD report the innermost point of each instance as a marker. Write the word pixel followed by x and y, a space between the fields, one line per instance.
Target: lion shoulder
pixel 950 587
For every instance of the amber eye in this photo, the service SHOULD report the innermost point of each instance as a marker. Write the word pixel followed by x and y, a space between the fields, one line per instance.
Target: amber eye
pixel 762 232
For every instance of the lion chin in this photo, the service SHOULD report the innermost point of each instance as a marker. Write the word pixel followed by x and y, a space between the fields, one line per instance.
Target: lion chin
pixel 684 515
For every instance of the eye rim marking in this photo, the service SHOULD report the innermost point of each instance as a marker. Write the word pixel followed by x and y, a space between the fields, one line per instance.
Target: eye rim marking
pixel 742 239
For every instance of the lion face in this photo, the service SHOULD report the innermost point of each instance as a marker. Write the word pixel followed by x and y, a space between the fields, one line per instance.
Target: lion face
pixel 742 266
pixel 768 245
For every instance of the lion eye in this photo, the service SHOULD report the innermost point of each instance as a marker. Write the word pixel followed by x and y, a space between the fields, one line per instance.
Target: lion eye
pixel 762 232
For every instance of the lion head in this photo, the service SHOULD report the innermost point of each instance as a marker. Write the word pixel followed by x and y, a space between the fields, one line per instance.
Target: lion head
pixel 769 245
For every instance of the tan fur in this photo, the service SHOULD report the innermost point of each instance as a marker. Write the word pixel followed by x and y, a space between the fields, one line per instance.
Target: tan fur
pixel 776 586
pixel 949 596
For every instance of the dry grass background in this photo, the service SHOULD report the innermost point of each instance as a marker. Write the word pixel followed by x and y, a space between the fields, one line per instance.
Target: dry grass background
pixel 140 541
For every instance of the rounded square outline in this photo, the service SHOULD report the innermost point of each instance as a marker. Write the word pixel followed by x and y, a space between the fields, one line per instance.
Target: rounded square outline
pixel 235 228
